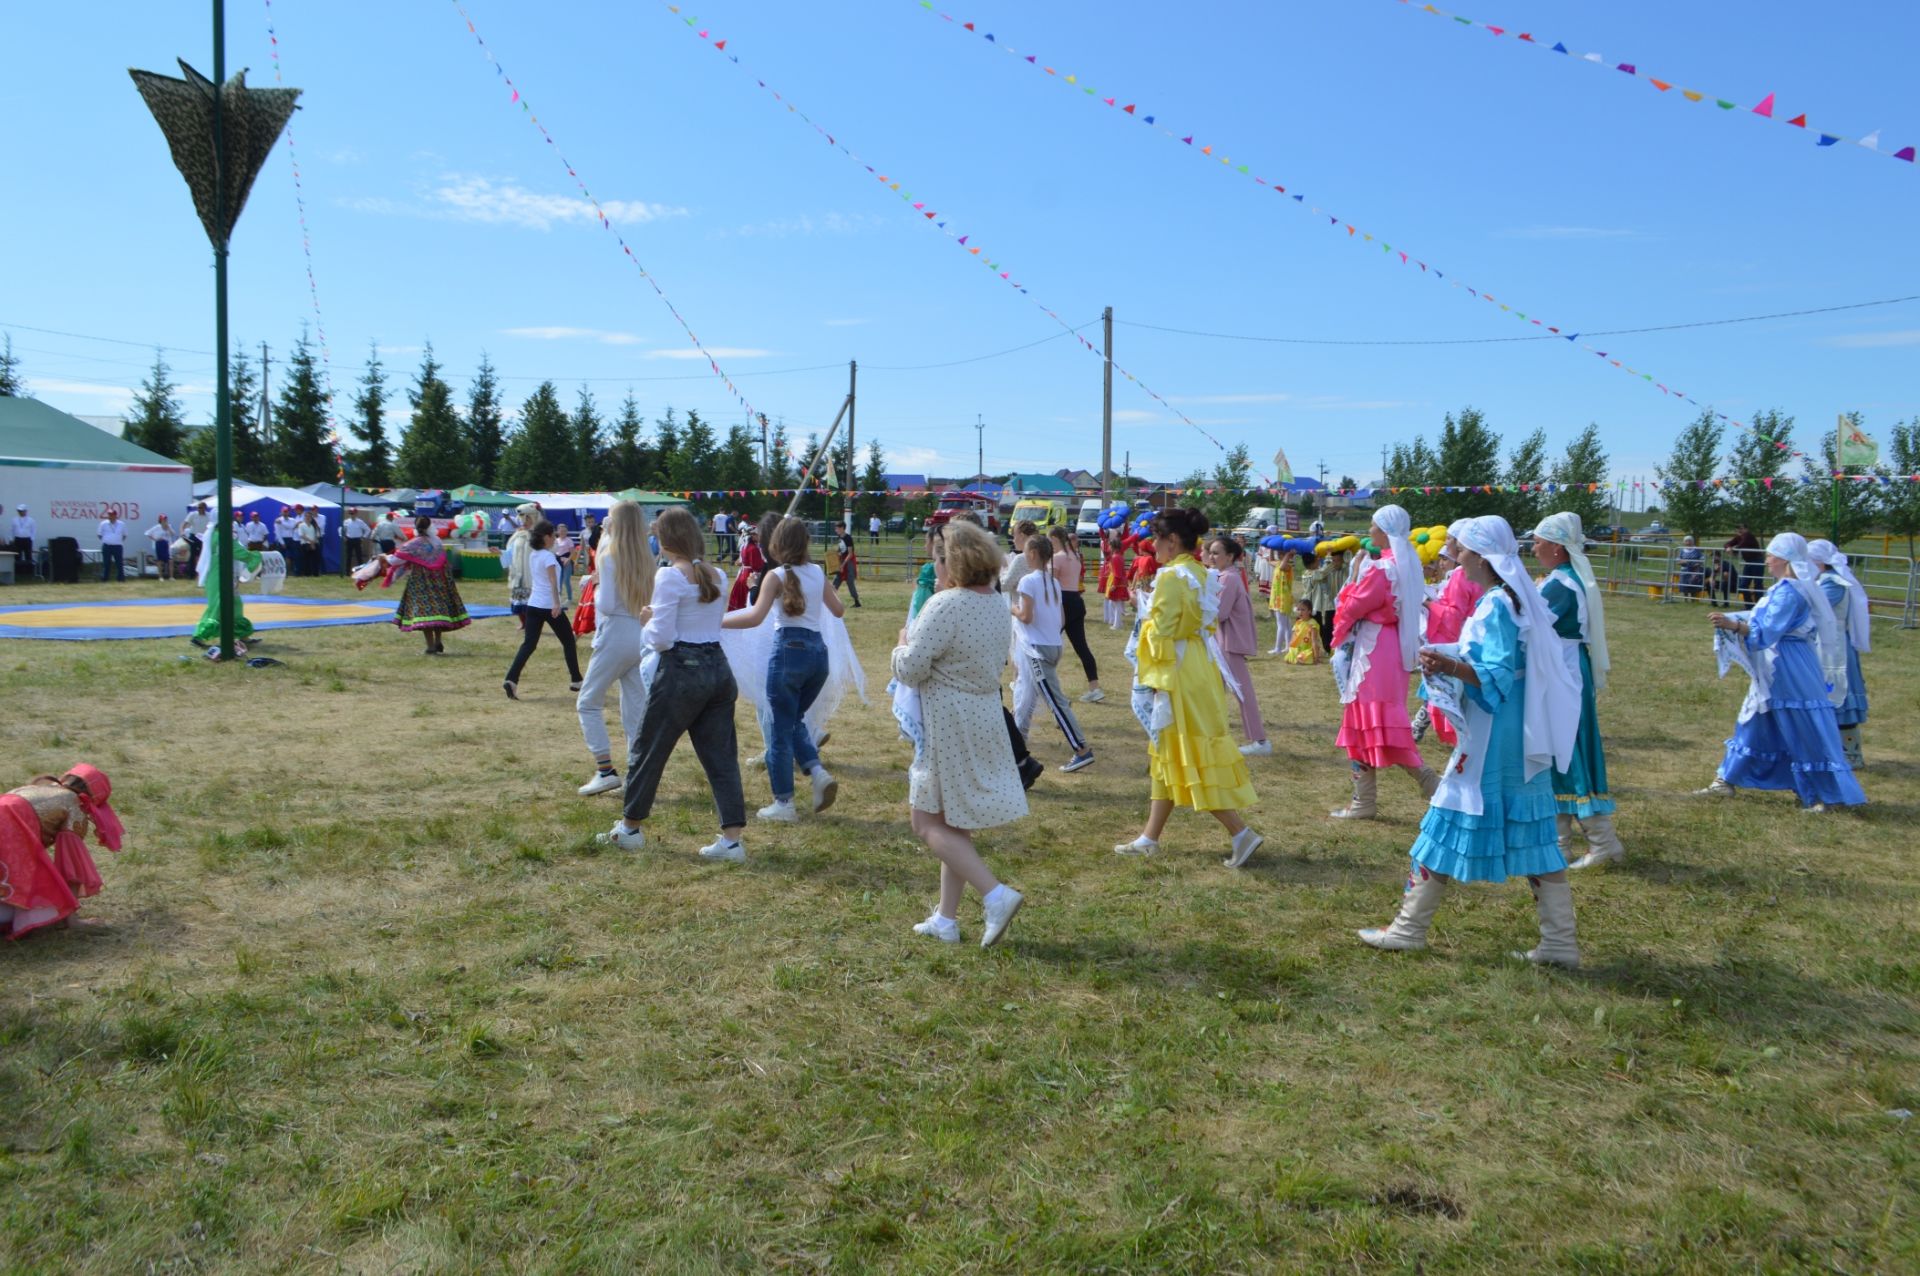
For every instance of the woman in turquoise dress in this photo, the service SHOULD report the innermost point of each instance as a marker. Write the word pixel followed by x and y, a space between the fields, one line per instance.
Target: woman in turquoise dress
pixel 1579 616
pixel 1787 735
pixel 1848 598
pixel 1492 817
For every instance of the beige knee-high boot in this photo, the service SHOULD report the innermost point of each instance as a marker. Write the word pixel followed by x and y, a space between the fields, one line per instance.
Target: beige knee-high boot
pixel 1408 931
pixel 1850 742
pixel 1563 830
pixel 1366 790
pixel 1427 778
pixel 1603 844
pixel 1558 946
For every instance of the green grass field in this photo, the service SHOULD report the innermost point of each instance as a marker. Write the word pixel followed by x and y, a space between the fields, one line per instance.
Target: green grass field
pixel 372 1000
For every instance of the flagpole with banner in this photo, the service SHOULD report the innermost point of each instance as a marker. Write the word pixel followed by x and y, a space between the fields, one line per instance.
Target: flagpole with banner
pixel 1853 448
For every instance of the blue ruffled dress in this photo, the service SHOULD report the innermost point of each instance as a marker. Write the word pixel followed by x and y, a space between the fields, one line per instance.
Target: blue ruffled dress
pixel 1795 744
pixel 1514 836
pixel 1852 711
pixel 1580 790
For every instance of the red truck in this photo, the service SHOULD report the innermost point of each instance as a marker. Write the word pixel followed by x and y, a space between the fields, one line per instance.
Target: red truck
pixel 953 500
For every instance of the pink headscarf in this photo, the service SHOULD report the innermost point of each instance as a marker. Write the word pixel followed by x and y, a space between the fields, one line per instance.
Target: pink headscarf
pixel 94 800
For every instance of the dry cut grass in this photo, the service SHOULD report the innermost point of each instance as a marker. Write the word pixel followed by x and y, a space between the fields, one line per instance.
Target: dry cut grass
pixel 372 1000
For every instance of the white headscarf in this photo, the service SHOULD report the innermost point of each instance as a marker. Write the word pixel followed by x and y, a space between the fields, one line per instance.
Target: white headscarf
pixel 1409 584
pixel 1552 688
pixel 1454 529
pixel 1564 529
pixel 1859 619
pixel 1792 546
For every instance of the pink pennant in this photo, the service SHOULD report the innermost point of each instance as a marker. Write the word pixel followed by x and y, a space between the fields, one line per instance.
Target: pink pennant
pixel 1766 106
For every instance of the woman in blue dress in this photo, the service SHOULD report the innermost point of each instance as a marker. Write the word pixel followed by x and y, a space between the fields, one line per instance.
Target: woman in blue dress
pixel 1492 817
pixel 1787 736
pixel 1848 598
pixel 1580 617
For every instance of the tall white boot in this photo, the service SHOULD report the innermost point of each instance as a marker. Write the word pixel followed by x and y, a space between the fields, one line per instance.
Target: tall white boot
pixel 1603 844
pixel 1850 742
pixel 1563 830
pixel 1366 792
pixel 1427 778
pixel 1408 931
pixel 1558 947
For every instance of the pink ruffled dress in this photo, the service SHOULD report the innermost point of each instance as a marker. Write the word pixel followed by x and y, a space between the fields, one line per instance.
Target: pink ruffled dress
pixel 1375 729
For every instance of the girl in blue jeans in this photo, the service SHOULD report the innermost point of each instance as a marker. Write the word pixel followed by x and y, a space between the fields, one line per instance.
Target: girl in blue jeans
pixel 797 594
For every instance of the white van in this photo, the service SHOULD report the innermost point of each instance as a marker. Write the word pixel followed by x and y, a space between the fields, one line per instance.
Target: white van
pixel 1087 526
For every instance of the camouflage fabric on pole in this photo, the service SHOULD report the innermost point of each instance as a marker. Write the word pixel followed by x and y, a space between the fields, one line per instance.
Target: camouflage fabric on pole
pixel 250 124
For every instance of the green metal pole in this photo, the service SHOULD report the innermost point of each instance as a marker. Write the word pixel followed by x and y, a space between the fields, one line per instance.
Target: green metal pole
pixel 222 409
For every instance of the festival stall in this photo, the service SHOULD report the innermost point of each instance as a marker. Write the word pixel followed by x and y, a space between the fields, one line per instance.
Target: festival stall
pixel 268 502
pixel 68 473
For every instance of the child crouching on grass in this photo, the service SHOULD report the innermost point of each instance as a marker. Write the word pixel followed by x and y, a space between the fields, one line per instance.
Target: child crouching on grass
pixel 1304 647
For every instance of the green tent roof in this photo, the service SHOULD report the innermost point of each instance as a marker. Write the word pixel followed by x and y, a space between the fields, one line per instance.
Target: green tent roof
pixel 474 494
pixel 641 496
pixel 32 431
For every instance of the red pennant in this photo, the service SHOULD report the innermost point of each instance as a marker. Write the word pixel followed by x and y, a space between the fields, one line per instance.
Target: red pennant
pixel 719 44
pixel 1798 121
pixel 1128 108
pixel 967 25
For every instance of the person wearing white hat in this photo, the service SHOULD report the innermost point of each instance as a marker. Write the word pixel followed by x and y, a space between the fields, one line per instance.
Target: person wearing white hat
pixel 1375 645
pixel 1848 598
pixel 1787 736
pixel 1492 816
pixel 21 538
pixel 1580 617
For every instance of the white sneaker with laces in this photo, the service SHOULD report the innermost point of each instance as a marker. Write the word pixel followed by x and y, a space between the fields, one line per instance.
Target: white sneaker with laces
pixel 722 849
pixel 600 783
pixel 781 811
pixel 1138 846
pixel 944 929
pixel 622 837
pixel 1001 903
pixel 1258 749
pixel 1093 697
pixel 1078 762
pixel 1245 843
pixel 825 789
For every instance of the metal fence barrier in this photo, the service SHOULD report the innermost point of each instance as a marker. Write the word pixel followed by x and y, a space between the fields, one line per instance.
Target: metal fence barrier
pixel 1655 571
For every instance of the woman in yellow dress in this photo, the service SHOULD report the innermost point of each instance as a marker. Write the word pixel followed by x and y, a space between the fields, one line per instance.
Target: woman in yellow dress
pixel 1304 648
pixel 1280 596
pixel 1179 696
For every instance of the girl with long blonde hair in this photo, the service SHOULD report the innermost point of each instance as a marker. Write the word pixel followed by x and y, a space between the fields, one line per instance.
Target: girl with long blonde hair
pixel 623 584
pixel 692 693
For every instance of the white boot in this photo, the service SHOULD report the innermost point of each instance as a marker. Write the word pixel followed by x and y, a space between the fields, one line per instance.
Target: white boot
pixel 1427 778
pixel 1719 788
pixel 1603 844
pixel 1850 743
pixel 1408 932
pixel 1366 791
pixel 1563 830
pixel 1554 902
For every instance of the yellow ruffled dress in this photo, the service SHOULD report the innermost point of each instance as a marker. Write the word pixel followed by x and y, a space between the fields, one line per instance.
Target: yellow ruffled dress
pixel 1196 763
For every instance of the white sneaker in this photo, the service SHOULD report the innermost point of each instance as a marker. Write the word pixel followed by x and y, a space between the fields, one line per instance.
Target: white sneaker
pixel 622 837
pixel 782 811
pixel 756 762
pixel 1001 903
pixel 825 789
pixel 1258 749
pixel 944 929
pixel 1245 843
pixel 600 784
pixel 721 849
pixel 1093 697
pixel 1138 846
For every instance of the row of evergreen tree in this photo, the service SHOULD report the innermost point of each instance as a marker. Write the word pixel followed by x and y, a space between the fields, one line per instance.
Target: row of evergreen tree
pixel 437 441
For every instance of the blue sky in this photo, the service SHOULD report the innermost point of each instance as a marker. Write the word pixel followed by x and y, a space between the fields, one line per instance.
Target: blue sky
pixel 438 213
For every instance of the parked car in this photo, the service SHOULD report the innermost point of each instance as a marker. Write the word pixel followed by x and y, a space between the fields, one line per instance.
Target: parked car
pixel 1043 514
pixel 1087 526
pixel 1260 521
pixel 897 524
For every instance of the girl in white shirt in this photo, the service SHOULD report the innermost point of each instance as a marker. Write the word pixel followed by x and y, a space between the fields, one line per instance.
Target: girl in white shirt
pixel 543 604
pixel 623 585
pixel 1037 613
pixel 693 691
pixel 796 593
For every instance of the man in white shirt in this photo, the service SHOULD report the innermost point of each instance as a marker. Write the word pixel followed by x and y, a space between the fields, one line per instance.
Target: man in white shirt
pixel 253 532
pixel 386 533
pixel 506 524
pixel 21 543
pixel 353 538
pixel 113 547
pixel 286 534
pixel 161 534
pixel 722 543
pixel 873 529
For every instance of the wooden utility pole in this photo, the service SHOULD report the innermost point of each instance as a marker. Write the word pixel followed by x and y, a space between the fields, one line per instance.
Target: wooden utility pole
pixel 853 461
pixel 1106 413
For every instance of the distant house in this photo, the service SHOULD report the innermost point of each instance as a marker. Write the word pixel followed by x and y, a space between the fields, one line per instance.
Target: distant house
pixel 1023 486
pixel 987 487
pixel 908 485
pixel 1084 482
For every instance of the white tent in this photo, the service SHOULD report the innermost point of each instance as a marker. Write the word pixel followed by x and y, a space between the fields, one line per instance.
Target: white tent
pixel 67 474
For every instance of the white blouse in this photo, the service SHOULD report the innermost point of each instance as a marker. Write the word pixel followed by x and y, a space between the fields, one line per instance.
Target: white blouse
pixel 678 613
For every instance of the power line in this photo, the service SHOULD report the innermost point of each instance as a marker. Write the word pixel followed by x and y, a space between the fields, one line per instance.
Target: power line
pixel 1487 341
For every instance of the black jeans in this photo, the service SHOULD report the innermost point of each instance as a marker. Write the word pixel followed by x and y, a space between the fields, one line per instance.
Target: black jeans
pixel 1325 620
pixel 692 695
pixel 530 638
pixel 1073 605
pixel 113 562
pixel 24 564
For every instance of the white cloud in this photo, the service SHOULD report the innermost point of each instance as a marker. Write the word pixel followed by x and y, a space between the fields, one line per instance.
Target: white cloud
pixel 1568 232
pixel 1137 416
pixel 1873 340
pixel 917 460
pixel 576 334
pixel 718 352
pixel 118 397
pixel 346 155
pixel 469 197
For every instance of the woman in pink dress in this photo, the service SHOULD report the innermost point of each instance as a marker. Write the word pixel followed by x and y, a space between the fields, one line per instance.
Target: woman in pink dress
pixel 1459 594
pixel 1376 644
pixel 1237 640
